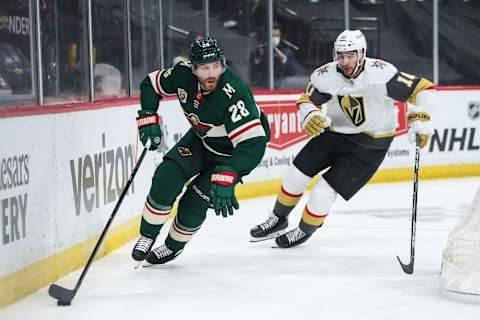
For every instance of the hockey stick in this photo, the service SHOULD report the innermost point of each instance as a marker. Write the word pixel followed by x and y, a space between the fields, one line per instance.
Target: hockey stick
pixel 65 296
pixel 408 268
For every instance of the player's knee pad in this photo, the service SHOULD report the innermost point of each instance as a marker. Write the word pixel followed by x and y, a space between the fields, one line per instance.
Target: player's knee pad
pixel 319 203
pixel 167 183
pixel 293 187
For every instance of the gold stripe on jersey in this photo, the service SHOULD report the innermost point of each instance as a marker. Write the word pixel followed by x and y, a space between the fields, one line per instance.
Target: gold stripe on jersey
pixel 288 199
pixel 421 85
pixel 379 135
pixel 312 218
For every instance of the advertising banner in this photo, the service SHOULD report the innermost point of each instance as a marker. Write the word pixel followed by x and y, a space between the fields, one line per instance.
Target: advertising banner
pixel 62 173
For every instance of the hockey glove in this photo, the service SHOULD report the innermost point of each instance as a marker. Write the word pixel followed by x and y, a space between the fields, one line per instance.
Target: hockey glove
pixel 419 124
pixel 149 128
pixel 315 122
pixel 222 194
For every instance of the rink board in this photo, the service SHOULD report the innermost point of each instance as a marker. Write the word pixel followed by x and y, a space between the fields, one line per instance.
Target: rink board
pixel 61 174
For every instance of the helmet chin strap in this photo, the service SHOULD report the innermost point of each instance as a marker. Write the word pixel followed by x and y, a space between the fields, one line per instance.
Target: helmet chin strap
pixel 360 61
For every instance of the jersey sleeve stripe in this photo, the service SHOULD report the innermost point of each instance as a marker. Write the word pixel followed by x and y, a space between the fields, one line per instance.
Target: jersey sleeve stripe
pixel 423 84
pixel 155 79
pixel 252 131
pixel 232 134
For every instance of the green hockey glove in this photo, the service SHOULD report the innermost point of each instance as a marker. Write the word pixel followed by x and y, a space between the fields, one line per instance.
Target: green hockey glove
pixel 222 194
pixel 149 128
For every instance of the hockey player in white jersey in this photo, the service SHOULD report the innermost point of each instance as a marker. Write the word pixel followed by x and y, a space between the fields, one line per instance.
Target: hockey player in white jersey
pixel 348 110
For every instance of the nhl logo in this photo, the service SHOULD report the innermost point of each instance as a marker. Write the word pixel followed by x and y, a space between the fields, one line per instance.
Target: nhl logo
pixel 182 95
pixel 474 110
pixel 184 151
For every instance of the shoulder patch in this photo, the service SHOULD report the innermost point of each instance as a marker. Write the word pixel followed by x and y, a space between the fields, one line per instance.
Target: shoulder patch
pixel 322 70
pixel 378 64
pixel 182 95
pixel 185 63
pixel 167 72
pixel 228 90
pixel 381 71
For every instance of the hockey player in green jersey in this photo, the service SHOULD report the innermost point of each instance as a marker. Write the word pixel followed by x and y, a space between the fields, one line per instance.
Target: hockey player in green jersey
pixel 226 141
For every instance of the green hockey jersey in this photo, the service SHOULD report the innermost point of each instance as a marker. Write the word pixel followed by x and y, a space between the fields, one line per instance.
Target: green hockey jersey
pixel 227 120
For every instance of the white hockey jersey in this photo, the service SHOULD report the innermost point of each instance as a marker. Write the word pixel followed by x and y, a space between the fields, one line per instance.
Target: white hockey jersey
pixel 360 104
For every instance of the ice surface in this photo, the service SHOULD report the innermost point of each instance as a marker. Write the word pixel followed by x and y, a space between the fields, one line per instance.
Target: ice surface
pixel 347 270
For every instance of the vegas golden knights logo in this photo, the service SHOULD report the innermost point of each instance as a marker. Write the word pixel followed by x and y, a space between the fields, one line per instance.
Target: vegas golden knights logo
pixel 353 108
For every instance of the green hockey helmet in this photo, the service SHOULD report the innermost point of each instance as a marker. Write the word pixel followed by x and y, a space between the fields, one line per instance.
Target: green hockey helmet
pixel 206 50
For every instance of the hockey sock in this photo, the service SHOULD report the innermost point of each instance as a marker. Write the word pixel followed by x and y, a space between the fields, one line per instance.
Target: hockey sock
pixel 318 206
pixel 192 209
pixel 291 191
pixel 167 183
pixel 179 235
pixel 311 221
pixel 153 217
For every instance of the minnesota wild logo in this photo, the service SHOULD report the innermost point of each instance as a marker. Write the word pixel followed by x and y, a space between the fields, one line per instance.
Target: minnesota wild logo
pixel 200 127
pixel 182 95
pixel 353 108
pixel 184 151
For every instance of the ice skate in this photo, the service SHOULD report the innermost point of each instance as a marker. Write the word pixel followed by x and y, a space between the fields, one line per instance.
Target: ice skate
pixel 161 255
pixel 292 238
pixel 273 227
pixel 142 248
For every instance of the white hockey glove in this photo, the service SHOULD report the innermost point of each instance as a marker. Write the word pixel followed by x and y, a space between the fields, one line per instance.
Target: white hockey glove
pixel 316 121
pixel 419 124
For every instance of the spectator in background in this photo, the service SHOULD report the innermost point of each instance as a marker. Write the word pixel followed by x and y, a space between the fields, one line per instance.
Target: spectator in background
pixel 284 65
pixel 15 68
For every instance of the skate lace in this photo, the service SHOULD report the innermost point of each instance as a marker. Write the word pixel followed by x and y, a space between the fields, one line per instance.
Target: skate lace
pixel 269 224
pixel 295 235
pixel 144 244
pixel 162 252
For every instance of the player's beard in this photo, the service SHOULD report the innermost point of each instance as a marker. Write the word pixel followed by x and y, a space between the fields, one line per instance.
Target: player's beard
pixel 209 84
pixel 347 70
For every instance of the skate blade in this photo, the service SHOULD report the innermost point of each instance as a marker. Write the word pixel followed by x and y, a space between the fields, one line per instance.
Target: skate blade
pixel 139 264
pixel 146 264
pixel 269 237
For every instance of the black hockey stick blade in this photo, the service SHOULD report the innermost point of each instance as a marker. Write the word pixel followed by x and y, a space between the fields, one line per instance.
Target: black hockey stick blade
pixel 407 268
pixel 64 296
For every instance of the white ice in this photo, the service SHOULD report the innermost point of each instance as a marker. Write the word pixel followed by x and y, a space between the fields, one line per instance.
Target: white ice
pixel 347 270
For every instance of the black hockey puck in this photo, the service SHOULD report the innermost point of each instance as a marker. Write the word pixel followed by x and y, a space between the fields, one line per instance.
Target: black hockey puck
pixel 63 303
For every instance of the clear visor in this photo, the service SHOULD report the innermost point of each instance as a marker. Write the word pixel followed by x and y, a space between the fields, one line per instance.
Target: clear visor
pixel 210 69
